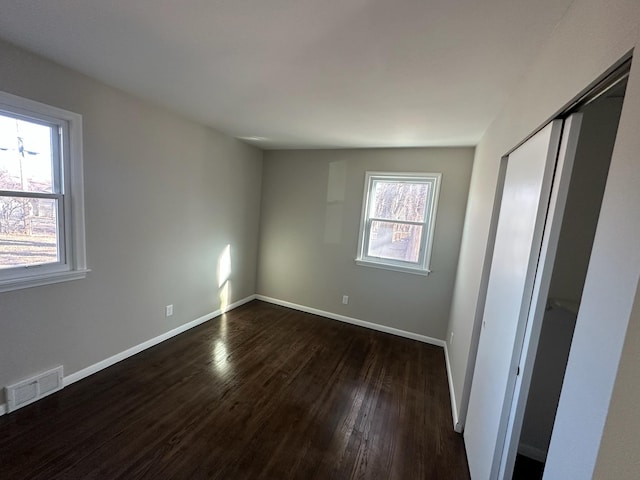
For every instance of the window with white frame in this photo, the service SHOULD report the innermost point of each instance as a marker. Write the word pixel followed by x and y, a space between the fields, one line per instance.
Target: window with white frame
pixel 41 194
pixel 398 218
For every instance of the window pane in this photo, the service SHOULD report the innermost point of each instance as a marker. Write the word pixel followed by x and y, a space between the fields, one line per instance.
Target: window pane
pixel 28 231
pixel 25 156
pixel 395 241
pixel 400 201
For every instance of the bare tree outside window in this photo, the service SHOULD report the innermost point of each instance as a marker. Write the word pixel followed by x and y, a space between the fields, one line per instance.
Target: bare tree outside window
pixel 397 201
pixel 28 223
pixel 42 235
pixel 398 220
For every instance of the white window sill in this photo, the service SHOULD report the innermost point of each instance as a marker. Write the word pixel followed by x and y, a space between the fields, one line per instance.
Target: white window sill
pixel 390 266
pixel 44 279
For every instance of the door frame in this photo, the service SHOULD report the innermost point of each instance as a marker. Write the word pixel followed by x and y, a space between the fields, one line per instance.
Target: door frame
pixel 618 71
pixel 482 296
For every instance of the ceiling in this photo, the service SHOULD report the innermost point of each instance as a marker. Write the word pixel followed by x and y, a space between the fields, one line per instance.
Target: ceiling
pixel 302 73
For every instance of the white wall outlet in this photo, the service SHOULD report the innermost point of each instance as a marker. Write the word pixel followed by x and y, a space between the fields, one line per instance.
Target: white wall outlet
pixel 168 310
pixel 451 339
pixel 345 299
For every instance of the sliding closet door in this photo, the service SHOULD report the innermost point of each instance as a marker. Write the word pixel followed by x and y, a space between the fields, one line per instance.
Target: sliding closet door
pixel 523 210
pixel 544 271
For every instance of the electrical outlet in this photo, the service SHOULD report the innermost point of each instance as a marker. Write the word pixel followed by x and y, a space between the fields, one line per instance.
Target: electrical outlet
pixel 168 310
pixel 451 339
pixel 345 299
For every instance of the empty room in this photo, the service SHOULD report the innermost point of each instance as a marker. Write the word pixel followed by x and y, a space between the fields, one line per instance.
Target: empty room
pixel 319 240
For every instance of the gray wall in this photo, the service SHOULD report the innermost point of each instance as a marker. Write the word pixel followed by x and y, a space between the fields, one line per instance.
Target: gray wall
pixel 590 38
pixel 588 180
pixel 546 382
pixel 163 197
pixel 311 207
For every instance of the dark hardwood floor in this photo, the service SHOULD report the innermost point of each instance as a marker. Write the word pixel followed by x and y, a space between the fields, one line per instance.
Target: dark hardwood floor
pixel 262 392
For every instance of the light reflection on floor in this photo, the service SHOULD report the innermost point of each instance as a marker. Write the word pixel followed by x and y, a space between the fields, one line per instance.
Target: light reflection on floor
pixel 220 358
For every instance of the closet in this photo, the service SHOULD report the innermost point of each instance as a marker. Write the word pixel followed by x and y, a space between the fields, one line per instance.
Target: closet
pixel 553 184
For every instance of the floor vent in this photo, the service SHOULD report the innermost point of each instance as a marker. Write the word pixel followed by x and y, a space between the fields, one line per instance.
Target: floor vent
pixel 34 388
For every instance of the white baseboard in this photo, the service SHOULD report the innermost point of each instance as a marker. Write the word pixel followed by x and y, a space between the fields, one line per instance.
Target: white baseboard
pixel 96 367
pixel 452 393
pixel 354 321
pixel 532 452
pixel 237 304
pixel 381 328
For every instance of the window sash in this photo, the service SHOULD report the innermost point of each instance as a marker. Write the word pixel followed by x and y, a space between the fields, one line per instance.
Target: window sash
pixel 61 263
pixel 68 192
pixel 372 179
pixel 24 194
pixel 376 181
pixel 376 258
pixel 390 220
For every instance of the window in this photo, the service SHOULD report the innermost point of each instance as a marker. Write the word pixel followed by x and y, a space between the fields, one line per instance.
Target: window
pixel 398 217
pixel 41 194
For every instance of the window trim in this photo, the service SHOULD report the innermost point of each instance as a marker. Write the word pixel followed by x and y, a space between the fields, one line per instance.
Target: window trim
pixel 423 266
pixel 72 264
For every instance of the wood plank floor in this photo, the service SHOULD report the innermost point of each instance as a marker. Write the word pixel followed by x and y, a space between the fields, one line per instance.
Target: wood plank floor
pixel 262 392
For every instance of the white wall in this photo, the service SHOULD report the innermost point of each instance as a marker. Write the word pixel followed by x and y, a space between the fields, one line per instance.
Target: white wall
pixel 163 197
pixel 619 456
pixel 311 207
pixel 592 36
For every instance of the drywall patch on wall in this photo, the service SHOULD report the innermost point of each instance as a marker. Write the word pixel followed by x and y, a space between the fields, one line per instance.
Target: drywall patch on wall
pixel 310 220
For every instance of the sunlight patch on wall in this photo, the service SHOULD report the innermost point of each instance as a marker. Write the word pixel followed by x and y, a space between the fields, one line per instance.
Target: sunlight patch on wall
pixel 224 294
pixel 224 266
pixel 224 274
